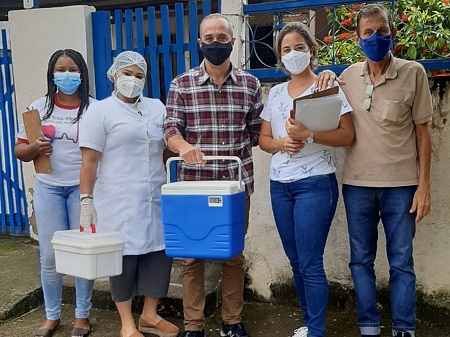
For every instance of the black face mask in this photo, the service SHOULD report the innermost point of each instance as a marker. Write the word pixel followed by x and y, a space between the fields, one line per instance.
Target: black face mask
pixel 216 53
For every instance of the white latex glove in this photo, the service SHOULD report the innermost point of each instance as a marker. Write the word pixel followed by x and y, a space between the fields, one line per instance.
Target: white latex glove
pixel 88 215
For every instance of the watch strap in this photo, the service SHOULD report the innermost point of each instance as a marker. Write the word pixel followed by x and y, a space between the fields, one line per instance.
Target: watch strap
pixel 86 196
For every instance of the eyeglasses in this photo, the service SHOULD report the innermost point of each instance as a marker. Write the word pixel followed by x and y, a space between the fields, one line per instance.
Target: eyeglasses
pixel 368 101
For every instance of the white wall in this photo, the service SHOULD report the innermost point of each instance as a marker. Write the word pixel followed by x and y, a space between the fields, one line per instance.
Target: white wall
pixel 36 34
pixel 268 264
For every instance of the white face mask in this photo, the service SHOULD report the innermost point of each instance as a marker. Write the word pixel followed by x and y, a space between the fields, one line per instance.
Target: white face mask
pixel 129 86
pixel 296 61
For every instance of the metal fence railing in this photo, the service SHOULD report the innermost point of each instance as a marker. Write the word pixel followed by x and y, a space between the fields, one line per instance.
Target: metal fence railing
pixel 166 36
pixel 13 204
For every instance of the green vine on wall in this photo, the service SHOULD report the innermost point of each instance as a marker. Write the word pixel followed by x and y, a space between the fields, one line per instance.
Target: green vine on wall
pixel 423 32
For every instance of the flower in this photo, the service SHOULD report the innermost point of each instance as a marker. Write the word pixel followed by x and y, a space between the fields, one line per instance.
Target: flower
pixel 328 39
pixel 344 36
pixel 404 17
pixel 398 49
pixel 443 50
pixel 357 7
pixel 347 23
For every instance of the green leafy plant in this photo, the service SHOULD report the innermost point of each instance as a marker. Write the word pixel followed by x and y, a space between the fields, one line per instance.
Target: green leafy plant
pixel 423 32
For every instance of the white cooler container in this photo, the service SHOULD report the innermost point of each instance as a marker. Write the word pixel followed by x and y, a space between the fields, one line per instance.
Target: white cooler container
pixel 87 255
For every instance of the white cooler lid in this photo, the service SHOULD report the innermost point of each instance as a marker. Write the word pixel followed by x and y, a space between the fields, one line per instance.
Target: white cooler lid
pixel 204 187
pixel 75 238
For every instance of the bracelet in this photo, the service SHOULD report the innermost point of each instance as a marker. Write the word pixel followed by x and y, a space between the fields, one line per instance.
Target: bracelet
pixel 86 196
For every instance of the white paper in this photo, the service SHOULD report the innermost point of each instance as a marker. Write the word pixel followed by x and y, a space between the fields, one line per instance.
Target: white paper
pixel 317 114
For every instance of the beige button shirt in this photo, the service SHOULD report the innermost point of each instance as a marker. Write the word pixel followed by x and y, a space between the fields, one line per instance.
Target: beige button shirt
pixel 384 152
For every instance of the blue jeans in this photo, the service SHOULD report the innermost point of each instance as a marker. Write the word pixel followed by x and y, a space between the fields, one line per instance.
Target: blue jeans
pixel 303 212
pixel 58 208
pixel 365 206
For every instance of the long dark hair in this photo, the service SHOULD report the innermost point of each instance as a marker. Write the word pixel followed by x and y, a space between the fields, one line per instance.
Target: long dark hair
pixel 83 89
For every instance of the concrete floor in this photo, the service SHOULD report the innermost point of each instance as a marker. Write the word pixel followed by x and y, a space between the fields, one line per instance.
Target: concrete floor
pixel 260 319
pixel 22 312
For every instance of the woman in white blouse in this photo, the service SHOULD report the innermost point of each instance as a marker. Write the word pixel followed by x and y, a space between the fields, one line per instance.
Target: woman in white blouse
pixel 120 184
pixel 303 184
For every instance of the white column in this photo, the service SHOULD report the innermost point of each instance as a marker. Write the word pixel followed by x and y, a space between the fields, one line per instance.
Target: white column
pixel 233 10
pixel 37 33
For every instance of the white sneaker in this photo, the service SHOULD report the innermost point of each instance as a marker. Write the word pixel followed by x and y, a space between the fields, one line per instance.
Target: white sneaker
pixel 301 332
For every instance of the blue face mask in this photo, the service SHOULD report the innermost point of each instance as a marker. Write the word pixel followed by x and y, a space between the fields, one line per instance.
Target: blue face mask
pixel 376 47
pixel 67 82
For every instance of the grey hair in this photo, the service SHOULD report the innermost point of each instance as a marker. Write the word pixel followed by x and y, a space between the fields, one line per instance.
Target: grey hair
pixel 370 10
pixel 221 16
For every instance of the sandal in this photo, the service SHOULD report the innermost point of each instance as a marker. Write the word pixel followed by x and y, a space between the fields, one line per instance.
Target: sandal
pixel 46 332
pixel 81 332
pixel 135 334
pixel 163 328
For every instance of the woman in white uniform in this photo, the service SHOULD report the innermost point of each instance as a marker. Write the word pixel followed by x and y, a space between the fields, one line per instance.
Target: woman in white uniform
pixel 120 185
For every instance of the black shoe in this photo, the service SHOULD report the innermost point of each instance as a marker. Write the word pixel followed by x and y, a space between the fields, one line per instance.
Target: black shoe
pixel 189 333
pixel 233 330
pixel 403 334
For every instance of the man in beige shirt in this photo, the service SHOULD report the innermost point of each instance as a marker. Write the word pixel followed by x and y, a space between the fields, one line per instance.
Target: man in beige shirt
pixel 387 169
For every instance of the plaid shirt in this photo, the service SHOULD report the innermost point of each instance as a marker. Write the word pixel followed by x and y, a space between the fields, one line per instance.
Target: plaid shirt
pixel 219 121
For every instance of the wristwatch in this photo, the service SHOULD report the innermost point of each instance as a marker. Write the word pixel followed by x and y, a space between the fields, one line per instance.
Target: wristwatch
pixel 86 196
pixel 310 139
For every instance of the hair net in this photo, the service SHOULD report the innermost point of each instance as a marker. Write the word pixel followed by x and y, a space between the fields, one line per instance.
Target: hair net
pixel 126 59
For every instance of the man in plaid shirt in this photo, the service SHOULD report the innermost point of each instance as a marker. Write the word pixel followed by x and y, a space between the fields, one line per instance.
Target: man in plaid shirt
pixel 213 110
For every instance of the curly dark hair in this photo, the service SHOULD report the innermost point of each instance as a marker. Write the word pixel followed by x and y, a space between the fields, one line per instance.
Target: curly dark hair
pixel 83 89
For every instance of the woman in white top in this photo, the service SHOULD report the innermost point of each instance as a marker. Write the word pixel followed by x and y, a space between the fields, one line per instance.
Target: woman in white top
pixel 121 140
pixel 303 184
pixel 56 194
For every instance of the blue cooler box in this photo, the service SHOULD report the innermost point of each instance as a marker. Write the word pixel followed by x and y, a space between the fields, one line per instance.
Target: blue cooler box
pixel 203 219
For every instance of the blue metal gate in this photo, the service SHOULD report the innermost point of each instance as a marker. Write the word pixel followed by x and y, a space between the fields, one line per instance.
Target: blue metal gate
pixel 13 204
pixel 165 36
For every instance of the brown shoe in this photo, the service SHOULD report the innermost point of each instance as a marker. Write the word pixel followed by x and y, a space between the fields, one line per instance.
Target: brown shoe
pixel 135 334
pixel 163 328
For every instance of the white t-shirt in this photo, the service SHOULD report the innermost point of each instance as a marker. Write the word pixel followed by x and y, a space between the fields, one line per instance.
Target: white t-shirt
pixel 66 155
pixel 127 193
pixel 283 167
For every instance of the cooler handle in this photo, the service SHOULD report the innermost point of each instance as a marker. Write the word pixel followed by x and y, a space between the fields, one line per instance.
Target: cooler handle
pixel 235 158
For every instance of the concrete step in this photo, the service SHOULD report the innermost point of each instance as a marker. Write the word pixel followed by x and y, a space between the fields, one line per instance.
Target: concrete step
pixel 171 306
pixel 20 287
